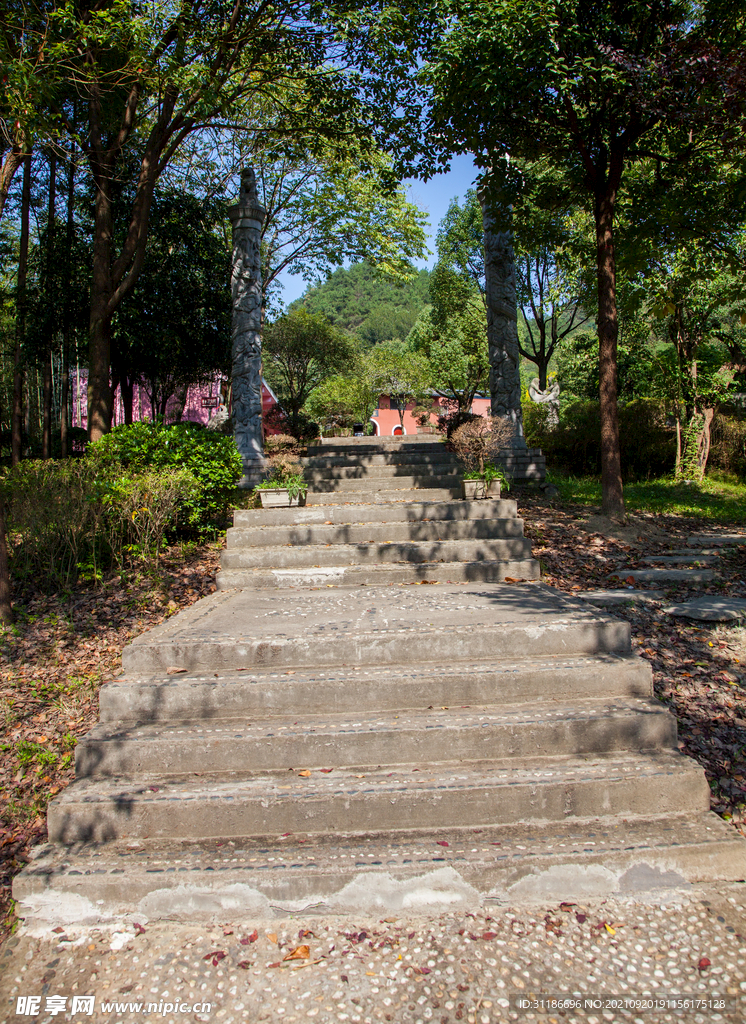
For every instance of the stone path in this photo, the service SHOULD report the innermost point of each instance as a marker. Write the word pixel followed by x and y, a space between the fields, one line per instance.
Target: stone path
pixel 618 958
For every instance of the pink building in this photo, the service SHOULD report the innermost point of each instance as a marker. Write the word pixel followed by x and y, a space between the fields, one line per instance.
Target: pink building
pixel 386 417
pixel 200 403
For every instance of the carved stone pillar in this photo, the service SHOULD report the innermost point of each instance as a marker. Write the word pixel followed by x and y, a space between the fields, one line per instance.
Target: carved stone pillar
pixel 247 217
pixel 502 313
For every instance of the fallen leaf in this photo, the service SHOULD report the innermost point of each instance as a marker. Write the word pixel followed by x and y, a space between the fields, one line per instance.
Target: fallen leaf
pixel 272 937
pixel 581 918
pixel 609 929
pixel 305 773
pixel 567 906
pixel 172 670
pixel 139 930
pixel 489 935
pixel 442 842
pixel 299 953
pixel 244 964
pixel 371 974
pixel 216 956
pixel 325 771
pixel 704 963
pixel 248 939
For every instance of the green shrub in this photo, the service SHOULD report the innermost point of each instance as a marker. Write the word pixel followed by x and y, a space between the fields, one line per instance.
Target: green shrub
pixel 648 442
pixel 212 458
pixel 69 519
pixel 728 445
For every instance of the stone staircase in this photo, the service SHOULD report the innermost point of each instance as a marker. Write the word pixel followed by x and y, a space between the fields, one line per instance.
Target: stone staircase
pixel 364 717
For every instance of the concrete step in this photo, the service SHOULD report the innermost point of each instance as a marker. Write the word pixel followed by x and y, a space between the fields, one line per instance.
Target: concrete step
pixel 373 688
pixel 406 494
pixel 400 574
pixel 415 458
pixel 413 512
pixel 333 741
pixel 691 558
pixel 322 482
pixel 362 445
pixel 451 869
pixel 381 626
pixel 448 471
pixel 416 552
pixel 471 793
pixel 374 533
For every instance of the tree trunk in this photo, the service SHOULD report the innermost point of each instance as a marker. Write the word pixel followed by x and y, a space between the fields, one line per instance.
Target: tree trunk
pixel 608 335
pixel 127 391
pixel 99 357
pixel 6 609
pixel 12 161
pixel 51 297
pixel 17 416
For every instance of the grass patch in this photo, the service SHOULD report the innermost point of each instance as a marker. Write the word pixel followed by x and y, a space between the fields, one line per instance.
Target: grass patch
pixel 719 499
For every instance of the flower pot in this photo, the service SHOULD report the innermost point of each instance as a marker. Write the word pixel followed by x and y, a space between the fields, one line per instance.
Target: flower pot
pixel 473 489
pixel 278 497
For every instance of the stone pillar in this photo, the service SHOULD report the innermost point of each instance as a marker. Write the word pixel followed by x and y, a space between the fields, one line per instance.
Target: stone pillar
pixel 502 313
pixel 247 217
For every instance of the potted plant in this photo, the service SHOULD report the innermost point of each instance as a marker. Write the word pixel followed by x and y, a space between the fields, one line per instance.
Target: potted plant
pixel 477 443
pixel 285 484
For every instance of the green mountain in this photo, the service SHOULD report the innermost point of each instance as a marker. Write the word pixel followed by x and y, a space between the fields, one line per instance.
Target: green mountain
pixel 361 301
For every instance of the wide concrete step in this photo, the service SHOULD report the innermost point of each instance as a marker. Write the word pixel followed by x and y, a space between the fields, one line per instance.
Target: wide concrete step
pixel 473 793
pixel 324 741
pixel 413 512
pixel 401 574
pixel 373 688
pixel 380 626
pixel 441 868
pixel 322 482
pixel 417 552
pixel 446 472
pixel 415 459
pixel 372 533
pixel 407 493
pixel 363 445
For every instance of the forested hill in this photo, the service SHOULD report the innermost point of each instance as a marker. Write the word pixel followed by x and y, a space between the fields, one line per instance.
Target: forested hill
pixel 373 307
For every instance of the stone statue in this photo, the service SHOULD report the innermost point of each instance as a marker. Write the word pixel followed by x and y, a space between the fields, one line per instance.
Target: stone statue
pixel 247 217
pixel 550 398
pixel 502 314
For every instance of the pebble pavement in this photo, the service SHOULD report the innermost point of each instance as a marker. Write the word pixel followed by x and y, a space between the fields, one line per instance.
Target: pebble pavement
pixel 680 956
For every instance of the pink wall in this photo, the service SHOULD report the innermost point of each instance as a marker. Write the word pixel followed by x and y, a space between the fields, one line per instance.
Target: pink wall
pixel 386 419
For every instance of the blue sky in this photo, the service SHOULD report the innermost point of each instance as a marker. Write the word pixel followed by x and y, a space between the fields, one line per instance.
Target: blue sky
pixel 434 197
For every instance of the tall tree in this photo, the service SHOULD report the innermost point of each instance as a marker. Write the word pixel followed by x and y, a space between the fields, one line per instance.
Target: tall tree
pixel 154 74
pixel 588 84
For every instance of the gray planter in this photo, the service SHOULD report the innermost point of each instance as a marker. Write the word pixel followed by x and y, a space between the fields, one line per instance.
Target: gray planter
pixel 473 489
pixel 278 497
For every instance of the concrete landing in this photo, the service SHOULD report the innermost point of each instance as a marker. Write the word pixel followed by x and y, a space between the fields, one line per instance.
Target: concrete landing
pixel 390 625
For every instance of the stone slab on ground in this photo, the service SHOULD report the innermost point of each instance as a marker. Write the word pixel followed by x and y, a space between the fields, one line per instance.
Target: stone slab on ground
pixel 405 965
pixel 666 575
pixel 689 558
pixel 608 598
pixel 716 539
pixel 710 609
pixel 389 625
pixel 312 874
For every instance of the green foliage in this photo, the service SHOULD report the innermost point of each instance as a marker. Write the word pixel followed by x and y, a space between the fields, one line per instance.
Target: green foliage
pixel 728 451
pixel 173 330
pixel 301 350
pixel 452 335
pixel 75 519
pixel 212 459
pixel 647 440
pixel 399 372
pixel 719 500
pixel 367 304
pixel 577 367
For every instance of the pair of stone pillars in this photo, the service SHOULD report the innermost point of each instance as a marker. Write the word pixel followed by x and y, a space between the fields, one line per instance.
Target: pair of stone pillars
pixel 247 218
